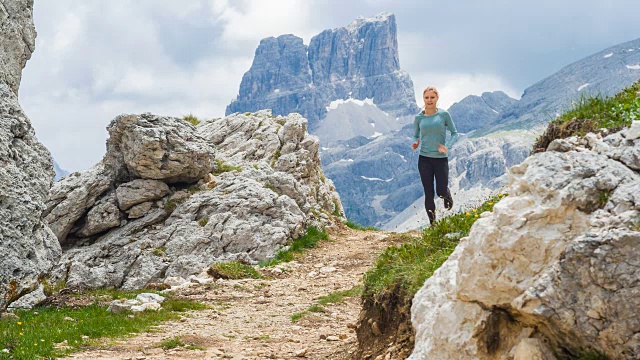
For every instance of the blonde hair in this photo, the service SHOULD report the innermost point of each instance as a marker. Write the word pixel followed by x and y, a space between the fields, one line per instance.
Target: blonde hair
pixel 430 88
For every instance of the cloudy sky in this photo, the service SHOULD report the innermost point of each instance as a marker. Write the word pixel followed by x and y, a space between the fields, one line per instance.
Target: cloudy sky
pixel 96 59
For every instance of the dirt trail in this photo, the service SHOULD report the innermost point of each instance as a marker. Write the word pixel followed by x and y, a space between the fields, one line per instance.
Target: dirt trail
pixel 251 319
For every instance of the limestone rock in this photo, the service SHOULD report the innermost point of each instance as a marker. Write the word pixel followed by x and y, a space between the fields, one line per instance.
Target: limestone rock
pixel 104 215
pixel 140 190
pixel 71 198
pixel 30 300
pixel 274 190
pixel 283 153
pixel 139 210
pixel 156 147
pixel 17 40
pixel 533 349
pixel 28 248
pixel 558 254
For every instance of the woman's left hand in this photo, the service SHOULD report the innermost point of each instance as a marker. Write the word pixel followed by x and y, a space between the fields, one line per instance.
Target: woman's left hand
pixel 442 149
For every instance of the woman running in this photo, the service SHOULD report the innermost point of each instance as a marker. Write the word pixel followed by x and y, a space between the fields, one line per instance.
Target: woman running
pixel 430 127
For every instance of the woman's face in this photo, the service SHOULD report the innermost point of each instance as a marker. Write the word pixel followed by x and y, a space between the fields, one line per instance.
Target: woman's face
pixel 430 99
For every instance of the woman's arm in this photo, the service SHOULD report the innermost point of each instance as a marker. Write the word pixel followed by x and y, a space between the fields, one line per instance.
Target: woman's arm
pixel 416 133
pixel 452 129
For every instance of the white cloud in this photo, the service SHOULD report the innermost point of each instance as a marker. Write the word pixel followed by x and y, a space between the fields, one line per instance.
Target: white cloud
pixel 253 20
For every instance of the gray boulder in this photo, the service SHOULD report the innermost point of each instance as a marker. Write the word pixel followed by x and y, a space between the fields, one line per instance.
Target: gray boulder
pixel 140 190
pixel 155 147
pixel 28 248
pixel 104 215
pixel 74 195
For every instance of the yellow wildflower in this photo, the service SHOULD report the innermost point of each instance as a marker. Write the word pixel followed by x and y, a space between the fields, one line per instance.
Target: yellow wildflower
pixel 500 195
pixel 467 213
pixel 476 215
pixel 35 344
pixel 21 334
pixel 474 210
pixel 19 322
pixel 490 202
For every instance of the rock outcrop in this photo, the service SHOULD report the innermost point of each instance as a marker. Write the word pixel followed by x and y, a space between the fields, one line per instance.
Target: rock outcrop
pixel 359 61
pixel 474 112
pixel 554 267
pixel 169 199
pixel 28 248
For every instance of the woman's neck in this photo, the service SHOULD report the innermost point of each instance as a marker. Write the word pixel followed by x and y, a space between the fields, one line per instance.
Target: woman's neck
pixel 430 111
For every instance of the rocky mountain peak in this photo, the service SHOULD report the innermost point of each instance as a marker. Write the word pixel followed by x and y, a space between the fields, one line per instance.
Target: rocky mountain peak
pixel 280 65
pixel 359 61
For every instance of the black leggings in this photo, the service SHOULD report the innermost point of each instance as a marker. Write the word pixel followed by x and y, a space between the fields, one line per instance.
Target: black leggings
pixel 438 168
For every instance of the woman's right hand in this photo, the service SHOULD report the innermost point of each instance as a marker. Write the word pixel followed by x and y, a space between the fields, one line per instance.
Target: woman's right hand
pixel 415 145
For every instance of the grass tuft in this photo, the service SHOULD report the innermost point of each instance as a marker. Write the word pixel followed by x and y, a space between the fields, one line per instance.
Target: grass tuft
pixel 191 119
pixel 297 316
pixel 356 226
pixel 233 270
pixel 410 264
pixel 309 240
pixel 204 221
pixel 161 251
pixel 171 343
pixel 590 114
pixel 339 296
pixel 222 167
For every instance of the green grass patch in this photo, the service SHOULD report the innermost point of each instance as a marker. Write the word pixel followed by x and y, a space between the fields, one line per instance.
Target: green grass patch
pixel 222 167
pixel 171 343
pixel 297 316
pixel 316 308
pixel 356 226
pixel 233 270
pixel 308 241
pixel 335 297
pixel 173 204
pixel 161 251
pixel 339 296
pixel 276 156
pixel 204 221
pixel 34 336
pixel 590 114
pixel 192 119
pixel 407 266
pixel 51 288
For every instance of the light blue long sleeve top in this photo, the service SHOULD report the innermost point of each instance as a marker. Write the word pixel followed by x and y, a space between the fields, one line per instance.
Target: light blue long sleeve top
pixel 431 130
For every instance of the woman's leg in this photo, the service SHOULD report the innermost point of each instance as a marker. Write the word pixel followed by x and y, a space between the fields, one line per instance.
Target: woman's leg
pixel 426 169
pixel 441 173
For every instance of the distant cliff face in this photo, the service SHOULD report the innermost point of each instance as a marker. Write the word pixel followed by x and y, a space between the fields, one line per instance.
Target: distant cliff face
pixel 359 61
pixel 28 248
pixel 474 112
